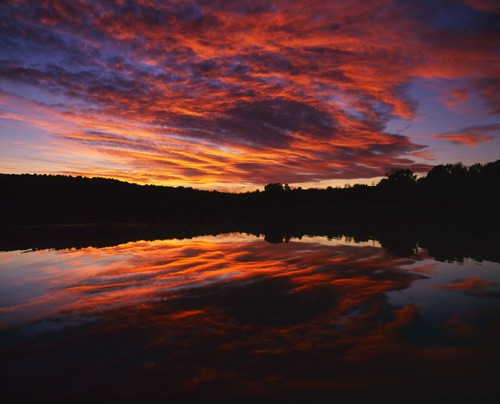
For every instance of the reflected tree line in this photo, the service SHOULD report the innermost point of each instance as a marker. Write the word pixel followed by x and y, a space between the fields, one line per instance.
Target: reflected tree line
pixel 443 244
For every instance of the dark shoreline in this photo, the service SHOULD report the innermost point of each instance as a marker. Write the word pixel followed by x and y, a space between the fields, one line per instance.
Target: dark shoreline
pixel 448 234
pixel 452 202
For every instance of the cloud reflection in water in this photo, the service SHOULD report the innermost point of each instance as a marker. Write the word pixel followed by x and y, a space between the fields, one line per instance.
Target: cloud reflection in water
pixel 235 316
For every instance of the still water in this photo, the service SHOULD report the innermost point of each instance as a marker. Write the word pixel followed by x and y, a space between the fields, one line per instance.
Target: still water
pixel 234 316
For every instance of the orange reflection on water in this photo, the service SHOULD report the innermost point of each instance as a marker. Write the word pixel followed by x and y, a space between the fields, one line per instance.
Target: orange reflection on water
pixel 83 280
pixel 234 316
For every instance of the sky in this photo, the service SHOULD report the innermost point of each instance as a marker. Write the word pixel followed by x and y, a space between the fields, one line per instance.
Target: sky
pixel 232 95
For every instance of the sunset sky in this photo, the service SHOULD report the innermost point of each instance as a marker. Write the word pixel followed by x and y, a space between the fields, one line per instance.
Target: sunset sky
pixel 232 95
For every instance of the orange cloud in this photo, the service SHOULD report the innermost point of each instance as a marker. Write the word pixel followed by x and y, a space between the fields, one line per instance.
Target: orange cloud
pixel 239 92
pixel 471 136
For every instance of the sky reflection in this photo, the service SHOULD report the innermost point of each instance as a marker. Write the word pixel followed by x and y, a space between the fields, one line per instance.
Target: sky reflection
pixel 46 282
pixel 235 316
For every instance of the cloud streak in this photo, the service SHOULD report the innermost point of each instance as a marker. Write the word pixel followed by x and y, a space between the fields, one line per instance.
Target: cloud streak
pixel 471 136
pixel 241 92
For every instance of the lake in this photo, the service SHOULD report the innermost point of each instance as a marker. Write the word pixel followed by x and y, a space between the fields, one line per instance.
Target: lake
pixel 235 316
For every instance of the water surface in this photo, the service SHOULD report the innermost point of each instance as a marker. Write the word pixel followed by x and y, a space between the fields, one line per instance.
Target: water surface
pixel 234 316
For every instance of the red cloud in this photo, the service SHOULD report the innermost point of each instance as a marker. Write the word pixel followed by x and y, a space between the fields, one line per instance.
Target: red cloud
pixel 485 5
pixel 472 139
pixel 219 92
pixel 471 136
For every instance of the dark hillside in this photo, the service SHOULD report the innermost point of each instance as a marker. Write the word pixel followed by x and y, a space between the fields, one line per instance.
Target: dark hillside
pixel 451 194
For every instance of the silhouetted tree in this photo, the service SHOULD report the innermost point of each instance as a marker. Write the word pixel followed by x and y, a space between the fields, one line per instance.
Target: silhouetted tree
pixel 274 187
pixel 402 176
pixel 402 179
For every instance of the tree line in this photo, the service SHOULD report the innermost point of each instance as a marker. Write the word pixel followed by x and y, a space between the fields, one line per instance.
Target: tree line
pixel 32 198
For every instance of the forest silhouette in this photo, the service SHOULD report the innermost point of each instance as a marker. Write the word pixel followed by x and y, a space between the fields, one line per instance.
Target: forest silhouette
pixel 469 192
pixel 452 211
